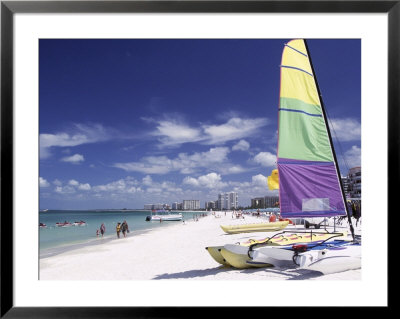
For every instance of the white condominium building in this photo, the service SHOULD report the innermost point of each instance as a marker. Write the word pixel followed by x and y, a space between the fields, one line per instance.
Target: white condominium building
pixel 191 204
pixel 228 200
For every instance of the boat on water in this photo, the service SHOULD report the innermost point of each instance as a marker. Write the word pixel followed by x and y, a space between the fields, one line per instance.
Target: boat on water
pixel 310 186
pixel 64 224
pixel 162 215
pixel 80 223
pixel 42 225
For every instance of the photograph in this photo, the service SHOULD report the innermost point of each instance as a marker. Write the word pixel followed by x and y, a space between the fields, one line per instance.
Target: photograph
pixel 198 159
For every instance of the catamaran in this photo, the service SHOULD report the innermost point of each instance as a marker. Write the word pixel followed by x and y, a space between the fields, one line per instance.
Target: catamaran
pixel 309 177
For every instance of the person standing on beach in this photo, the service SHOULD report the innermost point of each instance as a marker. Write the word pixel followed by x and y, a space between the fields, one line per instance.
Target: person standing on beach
pixel 124 228
pixel 118 229
pixel 102 229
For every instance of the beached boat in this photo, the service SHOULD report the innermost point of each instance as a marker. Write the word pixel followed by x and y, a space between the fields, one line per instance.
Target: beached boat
pixel 256 227
pixel 304 159
pixel 309 177
pixel 237 255
pixel 162 215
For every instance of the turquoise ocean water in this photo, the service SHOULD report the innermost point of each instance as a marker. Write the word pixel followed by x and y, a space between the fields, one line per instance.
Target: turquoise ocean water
pixel 53 239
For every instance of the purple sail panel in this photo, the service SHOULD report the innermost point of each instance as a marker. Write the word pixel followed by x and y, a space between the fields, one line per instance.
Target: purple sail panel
pixel 309 189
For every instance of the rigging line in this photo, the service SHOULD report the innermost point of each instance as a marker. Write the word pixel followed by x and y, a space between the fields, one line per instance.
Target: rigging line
pixel 337 140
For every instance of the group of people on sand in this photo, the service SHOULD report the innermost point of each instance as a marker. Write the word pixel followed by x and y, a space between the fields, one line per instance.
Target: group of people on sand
pixel 120 228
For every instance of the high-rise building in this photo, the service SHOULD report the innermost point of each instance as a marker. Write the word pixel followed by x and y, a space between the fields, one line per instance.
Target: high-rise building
pixel 271 201
pixel 258 202
pixel 191 204
pixel 265 202
pixel 228 200
pixel 354 180
pixel 156 206
pixel 211 205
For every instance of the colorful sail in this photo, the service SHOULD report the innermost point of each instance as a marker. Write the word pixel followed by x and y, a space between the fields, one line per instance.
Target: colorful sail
pixel 309 185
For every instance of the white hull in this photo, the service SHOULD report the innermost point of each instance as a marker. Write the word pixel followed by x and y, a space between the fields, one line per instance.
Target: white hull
pixel 326 261
pixel 330 261
pixel 166 217
pixel 275 256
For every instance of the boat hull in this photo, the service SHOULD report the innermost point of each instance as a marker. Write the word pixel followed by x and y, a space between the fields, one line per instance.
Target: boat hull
pixel 215 253
pixel 237 255
pixel 157 218
pixel 329 261
pixel 250 228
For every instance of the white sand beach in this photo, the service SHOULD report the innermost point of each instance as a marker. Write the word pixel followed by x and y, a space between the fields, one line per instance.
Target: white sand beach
pixel 174 252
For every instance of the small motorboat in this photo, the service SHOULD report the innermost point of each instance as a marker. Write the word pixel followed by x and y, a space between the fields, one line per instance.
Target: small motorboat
pixel 42 225
pixel 64 224
pixel 81 223
pixel 162 215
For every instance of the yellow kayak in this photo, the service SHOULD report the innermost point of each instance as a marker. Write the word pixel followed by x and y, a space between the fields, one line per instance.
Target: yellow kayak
pixel 257 227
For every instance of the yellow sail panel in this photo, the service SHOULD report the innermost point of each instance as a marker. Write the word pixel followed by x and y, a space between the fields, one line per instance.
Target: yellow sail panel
pixel 298 85
pixel 273 180
pixel 299 45
pixel 293 56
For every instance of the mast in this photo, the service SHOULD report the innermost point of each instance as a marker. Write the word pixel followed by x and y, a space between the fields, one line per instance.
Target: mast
pixel 331 142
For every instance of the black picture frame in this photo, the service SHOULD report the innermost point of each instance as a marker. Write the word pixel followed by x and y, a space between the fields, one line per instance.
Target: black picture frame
pixel 9 8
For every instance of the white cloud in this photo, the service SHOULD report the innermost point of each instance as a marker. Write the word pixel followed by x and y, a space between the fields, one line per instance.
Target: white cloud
pixel 65 189
pixel 147 180
pixel 84 187
pixel 211 180
pixel 242 145
pixel 121 185
pixel 184 163
pixel 265 159
pixel 174 132
pixel 43 182
pixel 79 134
pixel 353 156
pixel 73 182
pixel 190 181
pixel 74 159
pixel 144 167
pixel 57 182
pixel 235 128
pixel 259 181
pixel 232 169
pixel 346 130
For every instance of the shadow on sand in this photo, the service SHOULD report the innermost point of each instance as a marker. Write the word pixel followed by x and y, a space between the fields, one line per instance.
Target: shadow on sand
pixel 289 273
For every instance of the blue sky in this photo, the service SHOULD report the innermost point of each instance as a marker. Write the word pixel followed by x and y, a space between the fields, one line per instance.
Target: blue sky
pixel 125 123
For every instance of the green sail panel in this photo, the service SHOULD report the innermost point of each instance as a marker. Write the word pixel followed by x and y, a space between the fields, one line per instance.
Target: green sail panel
pixel 305 136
